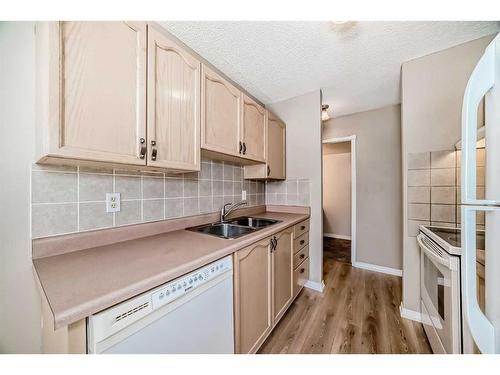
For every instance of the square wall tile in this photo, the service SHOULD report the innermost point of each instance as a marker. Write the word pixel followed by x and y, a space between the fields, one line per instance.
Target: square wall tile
pixel 129 187
pixel 419 177
pixel 217 171
pixel 417 211
pixel 190 188
pixel 443 194
pixel 174 207
pixel 419 194
pixel 205 205
pixel 228 172
pixel 174 187
pixel 304 187
pixel 206 171
pixel 152 187
pixel 443 177
pixel 51 219
pixel 93 187
pixel 53 187
pixel 419 160
pixel 191 206
pixel 205 188
pixel 93 215
pixel 130 213
pixel 443 159
pixel 443 213
pixel 153 209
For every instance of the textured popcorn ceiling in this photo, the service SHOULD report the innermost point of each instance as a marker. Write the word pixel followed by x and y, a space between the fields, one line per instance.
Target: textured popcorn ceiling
pixel 358 68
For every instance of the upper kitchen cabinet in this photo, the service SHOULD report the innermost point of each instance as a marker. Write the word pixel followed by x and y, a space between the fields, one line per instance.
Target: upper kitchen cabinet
pixel 173 129
pixel 275 152
pixel 220 114
pixel 91 99
pixel 253 130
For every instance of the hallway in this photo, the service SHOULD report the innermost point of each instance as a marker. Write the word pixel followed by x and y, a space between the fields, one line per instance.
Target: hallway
pixel 358 312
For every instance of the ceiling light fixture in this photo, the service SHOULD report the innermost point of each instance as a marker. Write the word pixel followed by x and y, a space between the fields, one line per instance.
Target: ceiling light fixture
pixel 324 112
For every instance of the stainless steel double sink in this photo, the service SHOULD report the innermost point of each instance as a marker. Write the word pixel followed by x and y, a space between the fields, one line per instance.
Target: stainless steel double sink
pixel 234 228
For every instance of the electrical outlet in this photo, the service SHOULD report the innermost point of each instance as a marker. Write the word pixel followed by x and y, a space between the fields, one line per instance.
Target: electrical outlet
pixel 243 195
pixel 112 202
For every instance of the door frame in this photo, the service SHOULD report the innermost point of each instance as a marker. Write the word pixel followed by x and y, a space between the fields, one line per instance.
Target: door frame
pixel 352 140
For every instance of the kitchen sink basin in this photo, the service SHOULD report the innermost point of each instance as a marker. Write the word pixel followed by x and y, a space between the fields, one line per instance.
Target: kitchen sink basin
pixel 253 222
pixel 224 230
pixel 235 227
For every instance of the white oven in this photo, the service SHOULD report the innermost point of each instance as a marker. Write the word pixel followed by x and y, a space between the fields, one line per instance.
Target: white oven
pixel 440 296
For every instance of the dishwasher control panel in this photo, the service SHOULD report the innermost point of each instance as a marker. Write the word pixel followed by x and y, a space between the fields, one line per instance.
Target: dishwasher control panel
pixel 184 284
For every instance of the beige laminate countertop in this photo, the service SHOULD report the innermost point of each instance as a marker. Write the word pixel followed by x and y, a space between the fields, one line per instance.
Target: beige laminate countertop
pixel 78 284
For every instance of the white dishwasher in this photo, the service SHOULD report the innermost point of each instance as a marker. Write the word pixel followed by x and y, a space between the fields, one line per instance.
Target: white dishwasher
pixel 191 314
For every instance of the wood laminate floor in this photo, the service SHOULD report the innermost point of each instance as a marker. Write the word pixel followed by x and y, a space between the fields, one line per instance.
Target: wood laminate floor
pixel 358 312
pixel 337 249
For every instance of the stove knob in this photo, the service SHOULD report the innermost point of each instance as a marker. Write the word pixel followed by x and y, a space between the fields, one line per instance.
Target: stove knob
pixel 167 292
pixel 190 281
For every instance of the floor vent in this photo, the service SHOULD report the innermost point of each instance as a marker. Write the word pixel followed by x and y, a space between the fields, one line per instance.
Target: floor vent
pixel 131 312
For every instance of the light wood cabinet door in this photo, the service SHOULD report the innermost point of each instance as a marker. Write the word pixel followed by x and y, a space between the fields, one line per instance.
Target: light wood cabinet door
pixel 282 260
pixel 253 129
pixel 252 291
pixel 173 105
pixel 94 86
pixel 220 114
pixel 276 148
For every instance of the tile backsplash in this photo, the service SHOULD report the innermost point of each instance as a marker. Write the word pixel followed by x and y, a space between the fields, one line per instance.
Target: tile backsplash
pixel 433 183
pixel 72 199
pixel 291 192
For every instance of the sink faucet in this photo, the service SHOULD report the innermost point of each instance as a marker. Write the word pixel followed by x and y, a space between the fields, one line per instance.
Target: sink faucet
pixel 224 212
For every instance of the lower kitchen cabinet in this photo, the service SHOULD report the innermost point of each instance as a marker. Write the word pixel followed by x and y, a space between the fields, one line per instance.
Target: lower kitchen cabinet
pixel 282 260
pixel 252 296
pixel 263 289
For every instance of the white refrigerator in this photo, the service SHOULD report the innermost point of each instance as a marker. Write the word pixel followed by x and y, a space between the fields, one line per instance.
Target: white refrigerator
pixel 484 327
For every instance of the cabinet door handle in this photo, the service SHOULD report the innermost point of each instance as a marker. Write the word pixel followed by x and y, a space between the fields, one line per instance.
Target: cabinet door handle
pixel 154 151
pixel 241 147
pixel 244 148
pixel 268 170
pixel 142 152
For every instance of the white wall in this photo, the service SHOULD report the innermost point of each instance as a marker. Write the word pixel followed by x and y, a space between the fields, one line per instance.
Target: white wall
pixel 19 299
pixel 432 89
pixel 302 116
pixel 337 189
pixel 378 182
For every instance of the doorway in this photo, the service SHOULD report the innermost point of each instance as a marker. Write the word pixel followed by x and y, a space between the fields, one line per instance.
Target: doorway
pixel 339 199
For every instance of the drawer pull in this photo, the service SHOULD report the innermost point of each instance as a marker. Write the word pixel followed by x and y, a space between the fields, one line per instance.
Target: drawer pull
pixel 302 242
pixel 302 227
pixel 302 256
pixel 302 270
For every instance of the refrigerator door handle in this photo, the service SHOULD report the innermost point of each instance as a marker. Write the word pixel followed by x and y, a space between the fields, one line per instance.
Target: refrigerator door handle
pixel 480 82
pixel 481 328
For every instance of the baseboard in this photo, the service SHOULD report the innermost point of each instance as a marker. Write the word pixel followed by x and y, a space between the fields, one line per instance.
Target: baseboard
pixel 339 236
pixel 319 287
pixel 376 268
pixel 410 314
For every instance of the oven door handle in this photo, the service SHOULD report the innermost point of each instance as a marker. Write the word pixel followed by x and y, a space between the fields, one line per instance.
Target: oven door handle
pixel 431 254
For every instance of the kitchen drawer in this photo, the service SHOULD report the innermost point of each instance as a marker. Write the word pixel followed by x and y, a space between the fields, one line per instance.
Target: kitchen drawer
pixel 300 276
pixel 300 242
pixel 299 257
pixel 300 228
